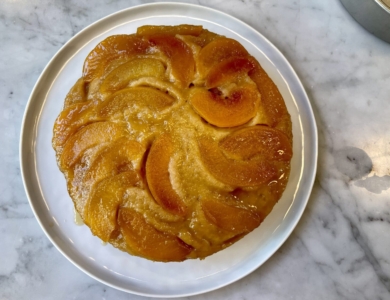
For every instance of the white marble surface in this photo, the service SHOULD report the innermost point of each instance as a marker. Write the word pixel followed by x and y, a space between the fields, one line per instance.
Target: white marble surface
pixel 340 248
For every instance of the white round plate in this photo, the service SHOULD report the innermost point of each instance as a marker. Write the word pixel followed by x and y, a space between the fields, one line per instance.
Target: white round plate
pixel 46 188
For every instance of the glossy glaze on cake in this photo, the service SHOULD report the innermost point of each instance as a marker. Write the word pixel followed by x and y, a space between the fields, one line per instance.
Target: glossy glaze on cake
pixel 174 143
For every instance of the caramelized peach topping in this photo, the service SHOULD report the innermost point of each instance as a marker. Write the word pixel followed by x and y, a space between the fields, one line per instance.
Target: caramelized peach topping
pixel 229 217
pixel 112 48
pixel 143 239
pixel 157 174
pixel 233 109
pixel 161 144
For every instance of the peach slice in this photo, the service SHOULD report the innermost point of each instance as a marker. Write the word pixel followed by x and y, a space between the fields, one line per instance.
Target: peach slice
pixel 230 218
pixel 157 175
pixel 120 77
pixel 271 98
pixel 170 30
pixel 234 172
pixel 180 55
pixel 87 137
pixel 116 63
pixel 114 159
pixel 228 70
pixel 69 121
pixel 144 240
pixel 257 141
pixel 123 155
pixel 126 98
pixel 103 203
pixel 202 39
pixel 217 51
pixel 236 109
pixel 111 48
pixel 76 94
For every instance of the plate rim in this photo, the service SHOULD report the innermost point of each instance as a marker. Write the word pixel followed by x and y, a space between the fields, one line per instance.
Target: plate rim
pixel 29 135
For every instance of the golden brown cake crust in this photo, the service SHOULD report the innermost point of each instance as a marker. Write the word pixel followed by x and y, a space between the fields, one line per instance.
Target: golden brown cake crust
pixel 175 143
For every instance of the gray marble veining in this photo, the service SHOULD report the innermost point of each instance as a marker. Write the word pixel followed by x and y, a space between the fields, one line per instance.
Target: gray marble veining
pixel 340 248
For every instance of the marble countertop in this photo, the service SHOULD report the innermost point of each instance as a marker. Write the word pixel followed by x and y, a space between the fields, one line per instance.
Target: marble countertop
pixel 340 248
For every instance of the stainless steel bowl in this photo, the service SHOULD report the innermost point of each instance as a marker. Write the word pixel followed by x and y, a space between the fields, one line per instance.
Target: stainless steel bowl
pixel 373 15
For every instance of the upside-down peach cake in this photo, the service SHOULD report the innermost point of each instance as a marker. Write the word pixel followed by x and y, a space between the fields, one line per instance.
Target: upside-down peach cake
pixel 174 143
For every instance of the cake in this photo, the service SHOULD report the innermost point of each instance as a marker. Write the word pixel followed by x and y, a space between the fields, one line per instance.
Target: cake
pixel 174 143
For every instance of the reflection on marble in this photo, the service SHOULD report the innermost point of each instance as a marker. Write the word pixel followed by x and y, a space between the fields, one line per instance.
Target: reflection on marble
pixel 340 248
